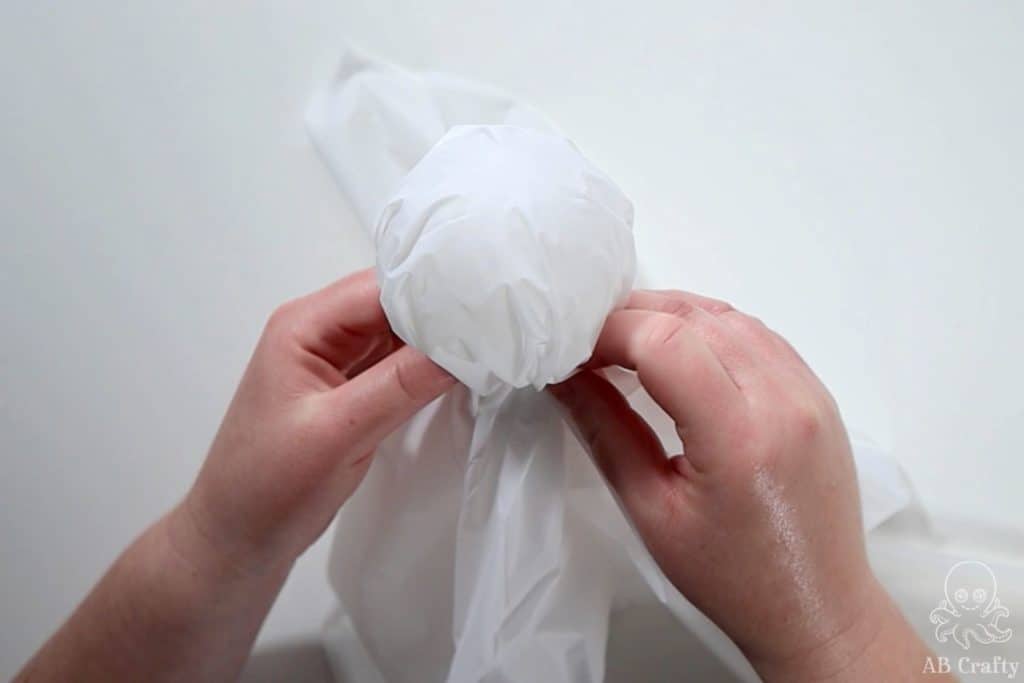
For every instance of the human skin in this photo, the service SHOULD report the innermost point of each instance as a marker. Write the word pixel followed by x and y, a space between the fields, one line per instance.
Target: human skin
pixel 184 602
pixel 758 525
pixel 759 522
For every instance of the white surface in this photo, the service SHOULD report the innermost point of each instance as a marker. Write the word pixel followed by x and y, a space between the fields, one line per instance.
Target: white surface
pixel 852 175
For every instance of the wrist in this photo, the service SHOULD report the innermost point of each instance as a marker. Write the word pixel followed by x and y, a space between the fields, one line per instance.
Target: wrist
pixel 823 657
pixel 229 534
pixel 213 560
pixel 877 644
pixel 184 599
pixel 175 581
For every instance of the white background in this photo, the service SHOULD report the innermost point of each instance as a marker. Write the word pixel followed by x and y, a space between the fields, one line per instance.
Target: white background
pixel 852 173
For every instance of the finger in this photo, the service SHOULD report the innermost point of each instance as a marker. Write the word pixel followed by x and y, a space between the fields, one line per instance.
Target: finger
pixel 623 446
pixel 762 340
pixel 706 316
pixel 681 373
pixel 661 299
pixel 385 345
pixel 753 353
pixel 373 404
pixel 343 322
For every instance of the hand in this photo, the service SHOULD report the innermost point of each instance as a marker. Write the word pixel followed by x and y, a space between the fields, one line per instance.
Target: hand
pixel 327 382
pixel 759 522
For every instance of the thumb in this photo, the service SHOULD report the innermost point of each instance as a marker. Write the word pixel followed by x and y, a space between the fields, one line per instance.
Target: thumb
pixel 376 401
pixel 623 446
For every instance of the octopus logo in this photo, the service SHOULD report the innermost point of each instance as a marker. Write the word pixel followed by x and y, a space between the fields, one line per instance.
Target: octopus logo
pixel 971 608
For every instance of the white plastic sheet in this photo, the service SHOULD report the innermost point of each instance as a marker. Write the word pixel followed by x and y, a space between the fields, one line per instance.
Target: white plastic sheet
pixel 483 545
pixel 501 254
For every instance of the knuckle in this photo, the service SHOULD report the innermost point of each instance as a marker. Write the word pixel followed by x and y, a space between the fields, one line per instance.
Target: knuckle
pixel 282 319
pixel 676 306
pixel 746 322
pixel 831 406
pixel 717 307
pixel 666 332
pixel 690 300
pixel 807 421
pixel 752 329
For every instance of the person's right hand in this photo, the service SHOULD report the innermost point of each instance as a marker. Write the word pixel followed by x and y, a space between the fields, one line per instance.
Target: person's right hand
pixel 759 523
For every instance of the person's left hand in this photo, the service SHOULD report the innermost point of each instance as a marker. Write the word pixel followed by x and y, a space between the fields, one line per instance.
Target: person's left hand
pixel 327 382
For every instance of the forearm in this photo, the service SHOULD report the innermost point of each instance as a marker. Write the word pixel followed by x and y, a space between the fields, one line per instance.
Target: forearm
pixel 169 609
